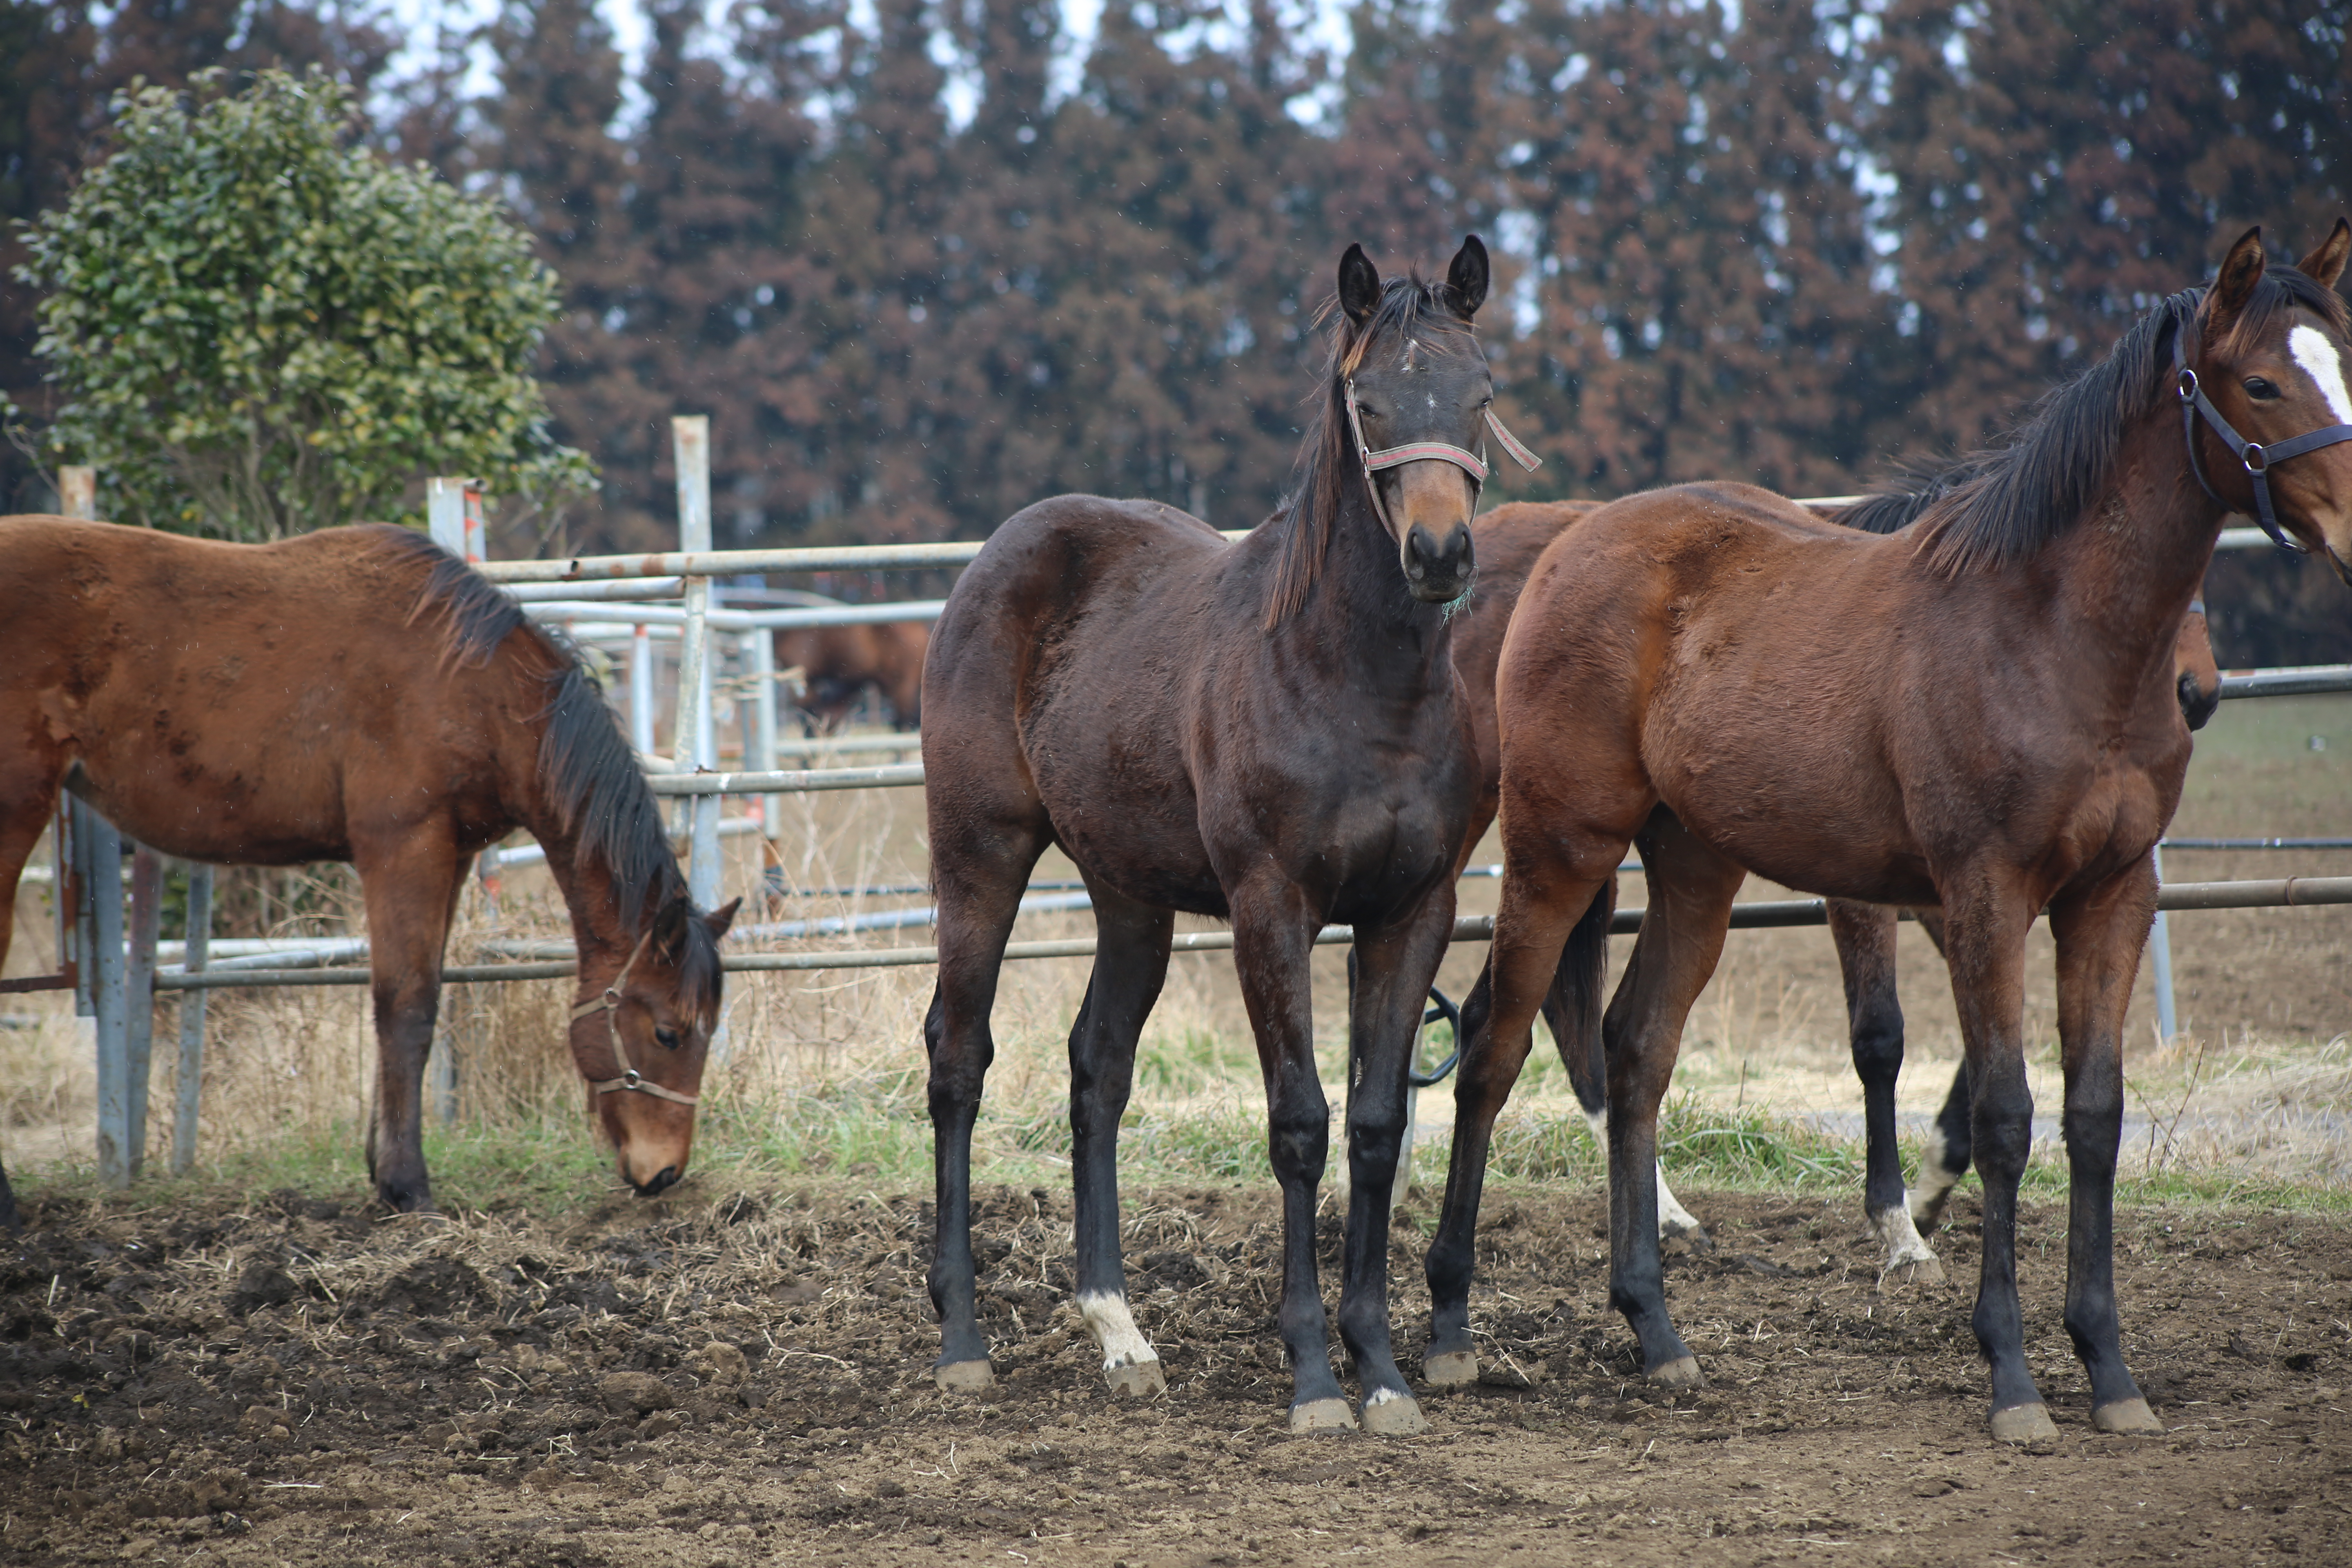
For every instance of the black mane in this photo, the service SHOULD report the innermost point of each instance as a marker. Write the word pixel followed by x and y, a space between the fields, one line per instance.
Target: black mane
pixel 1995 507
pixel 590 775
pixel 1409 307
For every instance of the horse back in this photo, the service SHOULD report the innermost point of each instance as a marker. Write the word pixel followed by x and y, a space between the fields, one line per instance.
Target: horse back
pixel 235 701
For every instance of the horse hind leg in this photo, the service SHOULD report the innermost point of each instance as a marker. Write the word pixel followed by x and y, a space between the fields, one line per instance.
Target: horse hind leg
pixel 1131 965
pixel 1864 935
pixel 1588 1072
pixel 981 862
pixel 1946 1159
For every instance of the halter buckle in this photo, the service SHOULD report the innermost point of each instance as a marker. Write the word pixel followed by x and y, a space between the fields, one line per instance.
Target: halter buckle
pixel 2257 461
pixel 2185 384
pixel 630 1079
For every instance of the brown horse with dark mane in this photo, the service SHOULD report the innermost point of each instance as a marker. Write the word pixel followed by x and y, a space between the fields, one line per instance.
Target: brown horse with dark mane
pixel 360 695
pixel 1977 714
pixel 1267 732
pixel 1510 540
pixel 839 665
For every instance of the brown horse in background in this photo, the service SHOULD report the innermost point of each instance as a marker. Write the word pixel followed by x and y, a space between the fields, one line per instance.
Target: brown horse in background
pixel 360 695
pixel 838 664
pixel 1978 714
pixel 1267 732
pixel 1509 540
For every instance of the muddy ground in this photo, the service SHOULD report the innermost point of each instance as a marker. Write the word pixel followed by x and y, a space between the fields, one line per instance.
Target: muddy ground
pixel 683 1382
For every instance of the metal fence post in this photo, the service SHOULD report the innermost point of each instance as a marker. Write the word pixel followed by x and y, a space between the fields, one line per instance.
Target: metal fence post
pixel 2159 953
pixel 641 688
pixel 78 492
pixel 138 997
pixel 102 874
pixel 696 746
pixel 453 515
pixel 189 1085
pixel 760 663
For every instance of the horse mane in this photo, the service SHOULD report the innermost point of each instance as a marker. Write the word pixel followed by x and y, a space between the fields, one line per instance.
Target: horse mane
pixel 1410 306
pixel 585 763
pixel 1992 507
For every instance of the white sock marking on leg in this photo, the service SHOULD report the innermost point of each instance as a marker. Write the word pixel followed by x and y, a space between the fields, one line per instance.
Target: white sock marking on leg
pixel 1901 1238
pixel 1114 1329
pixel 2319 358
pixel 1673 1218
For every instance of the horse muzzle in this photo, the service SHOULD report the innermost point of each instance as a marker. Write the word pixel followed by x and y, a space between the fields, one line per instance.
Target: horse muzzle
pixel 1437 571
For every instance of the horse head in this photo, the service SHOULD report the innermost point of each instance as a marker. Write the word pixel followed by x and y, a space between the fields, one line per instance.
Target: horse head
pixel 1418 391
pixel 641 1035
pixel 2267 375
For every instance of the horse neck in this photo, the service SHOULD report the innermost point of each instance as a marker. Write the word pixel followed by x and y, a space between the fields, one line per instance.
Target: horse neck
pixel 1359 616
pixel 2130 566
pixel 589 892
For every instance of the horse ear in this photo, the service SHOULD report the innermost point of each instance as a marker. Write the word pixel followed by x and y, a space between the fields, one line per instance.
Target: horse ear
pixel 2234 286
pixel 1360 285
pixel 2324 265
pixel 717 922
pixel 1467 278
pixel 669 929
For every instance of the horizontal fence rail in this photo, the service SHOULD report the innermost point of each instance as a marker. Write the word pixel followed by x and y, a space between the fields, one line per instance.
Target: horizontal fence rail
pixel 2286 892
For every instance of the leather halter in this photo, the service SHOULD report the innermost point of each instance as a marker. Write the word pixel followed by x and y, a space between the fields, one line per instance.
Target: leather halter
pixel 630 1080
pixel 2258 459
pixel 1471 463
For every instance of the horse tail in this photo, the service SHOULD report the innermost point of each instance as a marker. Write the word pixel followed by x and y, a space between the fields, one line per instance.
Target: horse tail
pixel 1572 1007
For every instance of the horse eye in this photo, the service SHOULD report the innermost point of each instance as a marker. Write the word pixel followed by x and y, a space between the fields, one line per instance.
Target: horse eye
pixel 2262 387
pixel 666 1038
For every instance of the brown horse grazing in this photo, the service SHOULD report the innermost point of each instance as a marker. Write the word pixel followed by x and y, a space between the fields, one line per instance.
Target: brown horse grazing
pixel 1978 714
pixel 1509 540
pixel 360 695
pixel 838 663
pixel 1267 732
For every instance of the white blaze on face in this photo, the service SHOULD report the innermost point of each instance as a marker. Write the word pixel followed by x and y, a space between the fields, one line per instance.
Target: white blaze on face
pixel 1114 1329
pixel 2320 362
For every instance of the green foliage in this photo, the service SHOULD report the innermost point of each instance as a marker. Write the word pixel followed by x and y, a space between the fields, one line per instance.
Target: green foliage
pixel 260 329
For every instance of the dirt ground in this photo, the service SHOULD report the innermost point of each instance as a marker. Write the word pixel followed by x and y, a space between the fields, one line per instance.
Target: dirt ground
pixel 687 1382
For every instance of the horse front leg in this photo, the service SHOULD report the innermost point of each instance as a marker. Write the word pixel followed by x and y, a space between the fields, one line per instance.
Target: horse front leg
pixel 1864 935
pixel 1131 943
pixel 2100 934
pixel 1274 936
pixel 410 885
pixel 1554 914
pixel 1986 918
pixel 1394 972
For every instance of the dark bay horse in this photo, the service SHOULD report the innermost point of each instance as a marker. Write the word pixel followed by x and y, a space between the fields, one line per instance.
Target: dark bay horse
pixel 1267 732
pixel 838 664
pixel 360 695
pixel 1978 714
pixel 1509 540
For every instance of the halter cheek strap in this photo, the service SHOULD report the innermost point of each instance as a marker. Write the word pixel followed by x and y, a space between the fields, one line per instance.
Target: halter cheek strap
pixel 631 1081
pixel 2258 459
pixel 1471 463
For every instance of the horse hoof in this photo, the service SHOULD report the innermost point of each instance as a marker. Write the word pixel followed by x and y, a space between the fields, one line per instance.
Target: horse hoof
pixel 1681 1372
pixel 2131 1417
pixel 1453 1369
pixel 965 1376
pixel 1912 1271
pixel 1322 1415
pixel 1693 1235
pixel 1389 1414
pixel 1137 1379
pixel 2025 1423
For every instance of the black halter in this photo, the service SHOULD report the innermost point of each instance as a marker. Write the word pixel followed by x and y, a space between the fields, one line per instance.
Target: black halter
pixel 2258 459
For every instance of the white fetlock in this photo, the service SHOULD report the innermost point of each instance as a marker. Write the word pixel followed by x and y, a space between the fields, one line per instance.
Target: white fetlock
pixel 1130 1365
pixel 1909 1258
pixel 1675 1220
pixel 1924 1203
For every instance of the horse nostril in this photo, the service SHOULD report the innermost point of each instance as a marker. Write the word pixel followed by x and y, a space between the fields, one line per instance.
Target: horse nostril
pixel 662 1180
